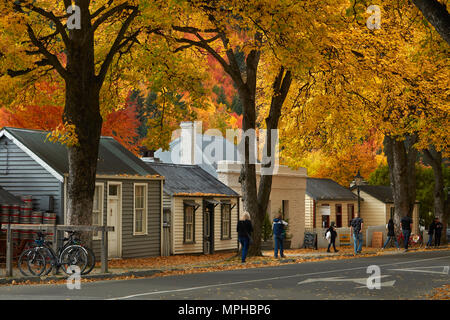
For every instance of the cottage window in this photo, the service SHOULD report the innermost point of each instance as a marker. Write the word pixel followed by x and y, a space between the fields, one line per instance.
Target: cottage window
pixel 338 215
pixel 285 209
pixel 350 213
pixel 226 221
pixel 97 208
pixel 140 209
pixel 189 224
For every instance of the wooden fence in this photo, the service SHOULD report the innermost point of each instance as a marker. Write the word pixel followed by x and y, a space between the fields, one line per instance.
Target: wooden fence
pixel 54 229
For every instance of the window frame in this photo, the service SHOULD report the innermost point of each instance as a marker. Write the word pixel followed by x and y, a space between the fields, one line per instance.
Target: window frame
pixel 145 210
pixel 189 241
pixel 97 236
pixel 222 236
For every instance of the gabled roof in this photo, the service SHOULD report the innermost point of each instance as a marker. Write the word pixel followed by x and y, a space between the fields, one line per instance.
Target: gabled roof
pixel 190 180
pixel 113 158
pixel 327 189
pixel 8 198
pixel 382 193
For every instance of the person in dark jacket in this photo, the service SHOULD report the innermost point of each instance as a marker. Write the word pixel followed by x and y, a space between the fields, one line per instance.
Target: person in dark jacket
pixel 333 236
pixel 437 232
pixel 406 223
pixel 278 226
pixel 244 230
pixel 430 232
pixel 356 226
pixel 391 234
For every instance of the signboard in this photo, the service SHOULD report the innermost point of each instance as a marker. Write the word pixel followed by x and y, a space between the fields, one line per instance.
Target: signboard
pixel 310 240
pixel 324 210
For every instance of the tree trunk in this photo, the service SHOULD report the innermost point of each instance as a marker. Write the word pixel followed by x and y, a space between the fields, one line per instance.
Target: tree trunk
pixel 435 160
pixel 401 158
pixel 257 200
pixel 436 13
pixel 82 109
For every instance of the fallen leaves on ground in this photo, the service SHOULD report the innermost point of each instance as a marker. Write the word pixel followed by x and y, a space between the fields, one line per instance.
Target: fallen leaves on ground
pixel 442 293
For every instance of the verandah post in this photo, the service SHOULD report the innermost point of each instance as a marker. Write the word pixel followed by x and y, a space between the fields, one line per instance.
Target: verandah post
pixel 9 270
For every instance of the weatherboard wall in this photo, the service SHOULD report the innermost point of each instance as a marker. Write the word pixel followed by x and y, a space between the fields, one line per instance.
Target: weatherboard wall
pixel 135 246
pixel 22 175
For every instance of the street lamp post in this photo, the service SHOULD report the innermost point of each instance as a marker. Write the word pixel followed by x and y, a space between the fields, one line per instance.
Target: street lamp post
pixel 358 183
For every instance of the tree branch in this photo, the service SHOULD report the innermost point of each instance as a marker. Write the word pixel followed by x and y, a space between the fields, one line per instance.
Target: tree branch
pixel 117 45
pixel 52 59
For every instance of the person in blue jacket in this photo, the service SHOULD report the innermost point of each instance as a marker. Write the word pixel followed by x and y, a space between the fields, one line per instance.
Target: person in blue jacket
pixel 278 226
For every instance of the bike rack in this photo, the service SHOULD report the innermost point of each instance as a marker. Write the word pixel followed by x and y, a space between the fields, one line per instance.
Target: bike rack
pixel 54 229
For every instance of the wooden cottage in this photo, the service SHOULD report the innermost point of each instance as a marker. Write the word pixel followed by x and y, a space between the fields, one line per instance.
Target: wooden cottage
pixel 327 201
pixel 128 193
pixel 200 212
pixel 378 206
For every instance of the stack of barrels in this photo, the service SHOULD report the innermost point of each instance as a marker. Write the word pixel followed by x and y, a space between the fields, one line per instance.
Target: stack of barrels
pixel 49 218
pixel 25 217
pixel 4 217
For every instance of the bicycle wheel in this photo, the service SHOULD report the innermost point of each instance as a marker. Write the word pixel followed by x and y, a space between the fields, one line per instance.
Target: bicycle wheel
pixel 91 261
pixel 73 255
pixel 36 262
pixel 49 260
pixel 22 263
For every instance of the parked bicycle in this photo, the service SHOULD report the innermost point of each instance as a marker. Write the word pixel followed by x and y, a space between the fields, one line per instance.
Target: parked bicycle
pixel 414 241
pixel 40 258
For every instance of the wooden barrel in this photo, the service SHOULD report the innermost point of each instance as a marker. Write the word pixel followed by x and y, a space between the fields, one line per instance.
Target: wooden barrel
pixel 36 218
pixel 4 213
pixel 28 200
pixel 16 235
pixel 49 218
pixel 26 234
pixel 25 215
pixel 14 214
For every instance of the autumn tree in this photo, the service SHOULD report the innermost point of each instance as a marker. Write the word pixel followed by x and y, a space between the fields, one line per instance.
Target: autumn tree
pixel 279 41
pixel 98 50
pixel 393 79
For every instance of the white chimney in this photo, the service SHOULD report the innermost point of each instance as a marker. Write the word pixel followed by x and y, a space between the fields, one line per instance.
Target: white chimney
pixel 190 152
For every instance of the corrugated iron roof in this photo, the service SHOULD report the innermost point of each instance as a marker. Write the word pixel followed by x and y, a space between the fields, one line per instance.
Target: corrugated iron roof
pixel 327 189
pixel 8 198
pixel 190 180
pixel 113 158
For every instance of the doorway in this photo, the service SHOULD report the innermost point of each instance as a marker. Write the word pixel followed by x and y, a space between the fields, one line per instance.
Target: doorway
pixel 113 219
pixel 208 228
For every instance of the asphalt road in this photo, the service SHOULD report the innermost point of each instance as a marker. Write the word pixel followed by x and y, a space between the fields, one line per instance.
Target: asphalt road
pixel 402 276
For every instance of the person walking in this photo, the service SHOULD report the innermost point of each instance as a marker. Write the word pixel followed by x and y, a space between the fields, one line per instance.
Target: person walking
pixel 244 230
pixel 437 233
pixel 430 232
pixel 278 226
pixel 406 223
pixel 333 235
pixel 356 226
pixel 391 234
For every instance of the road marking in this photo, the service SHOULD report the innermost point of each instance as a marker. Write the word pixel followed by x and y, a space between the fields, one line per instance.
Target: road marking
pixel 266 279
pixel 362 281
pixel 445 269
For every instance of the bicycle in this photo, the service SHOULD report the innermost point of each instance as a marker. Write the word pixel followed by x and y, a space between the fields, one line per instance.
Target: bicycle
pixel 73 240
pixel 415 240
pixel 41 255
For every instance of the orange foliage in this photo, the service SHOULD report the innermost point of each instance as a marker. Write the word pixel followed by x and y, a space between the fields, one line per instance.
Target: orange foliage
pixel 121 124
